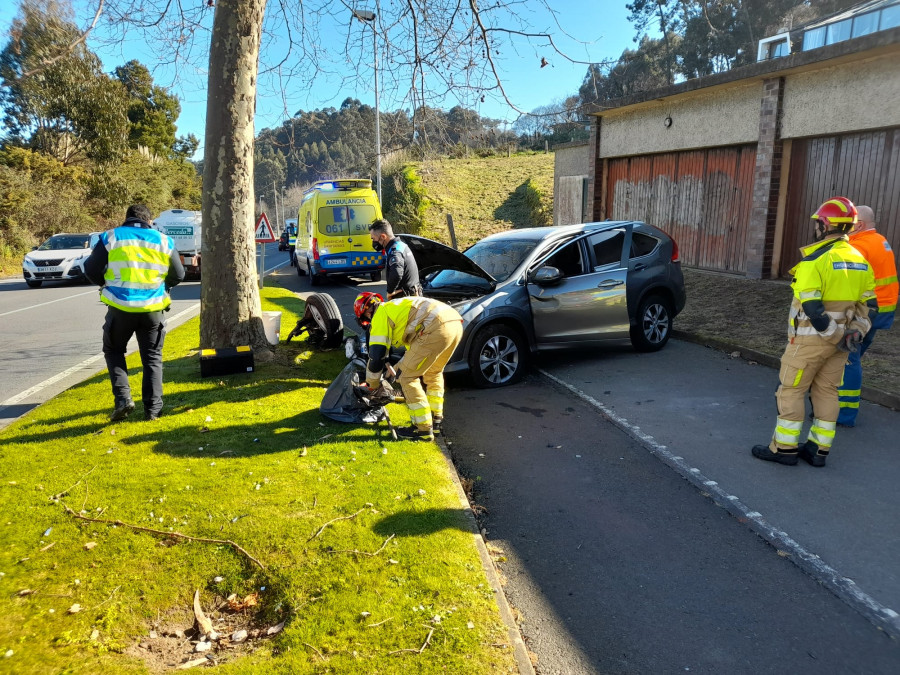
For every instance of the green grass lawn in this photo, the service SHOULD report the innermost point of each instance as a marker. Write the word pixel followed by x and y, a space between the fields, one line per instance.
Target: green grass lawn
pixel 246 459
pixel 480 193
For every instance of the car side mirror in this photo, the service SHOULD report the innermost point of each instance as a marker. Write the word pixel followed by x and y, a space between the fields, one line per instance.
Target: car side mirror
pixel 546 275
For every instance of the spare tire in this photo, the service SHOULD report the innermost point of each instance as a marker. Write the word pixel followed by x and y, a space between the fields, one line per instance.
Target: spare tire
pixel 323 321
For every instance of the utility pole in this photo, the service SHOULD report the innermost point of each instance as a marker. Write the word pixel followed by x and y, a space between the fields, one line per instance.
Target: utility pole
pixel 369 17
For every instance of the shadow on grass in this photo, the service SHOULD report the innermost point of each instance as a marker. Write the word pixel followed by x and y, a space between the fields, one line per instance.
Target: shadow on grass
pixel 514 208
pixel 185 430
pixel 420 523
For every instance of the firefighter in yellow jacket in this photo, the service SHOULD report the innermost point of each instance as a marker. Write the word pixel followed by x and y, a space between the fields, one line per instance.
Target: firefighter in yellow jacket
pixel 834 293
pixel 430 331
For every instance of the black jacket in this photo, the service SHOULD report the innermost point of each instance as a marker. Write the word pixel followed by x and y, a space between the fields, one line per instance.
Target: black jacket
pixel 402 270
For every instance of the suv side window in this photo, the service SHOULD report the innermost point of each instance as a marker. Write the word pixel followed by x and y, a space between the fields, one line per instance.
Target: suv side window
pixel 607 247
pixel 642 244
pixel 568 260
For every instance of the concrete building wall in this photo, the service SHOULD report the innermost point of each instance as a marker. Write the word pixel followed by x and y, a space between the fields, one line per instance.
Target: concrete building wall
pixel 700 119
pixel 846 98
pixel 570 171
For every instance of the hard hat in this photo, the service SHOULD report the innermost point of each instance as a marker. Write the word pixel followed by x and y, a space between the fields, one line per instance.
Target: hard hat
pixel 364 301
pixel 838 213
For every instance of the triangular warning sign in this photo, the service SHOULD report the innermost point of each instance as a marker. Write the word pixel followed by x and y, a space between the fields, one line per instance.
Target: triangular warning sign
pixel 264 232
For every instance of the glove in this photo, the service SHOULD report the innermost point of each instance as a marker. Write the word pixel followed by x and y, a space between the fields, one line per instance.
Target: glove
pixel 851 341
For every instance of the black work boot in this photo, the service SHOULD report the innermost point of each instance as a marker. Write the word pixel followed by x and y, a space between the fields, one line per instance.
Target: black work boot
pixel 413 433
pixel 437 423
pixel 782 456
pixel 123 409
pixel 810 452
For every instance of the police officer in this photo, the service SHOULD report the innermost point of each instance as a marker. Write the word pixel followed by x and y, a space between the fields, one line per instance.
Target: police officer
pixel 402 270
pixel 135 266
pixel 834 295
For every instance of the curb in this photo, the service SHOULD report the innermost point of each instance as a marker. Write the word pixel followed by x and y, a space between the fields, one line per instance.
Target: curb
pixel 878 396
pixel 515 636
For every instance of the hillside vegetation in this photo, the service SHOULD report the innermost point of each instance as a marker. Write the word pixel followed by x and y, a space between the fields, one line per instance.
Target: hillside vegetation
pixel 484 195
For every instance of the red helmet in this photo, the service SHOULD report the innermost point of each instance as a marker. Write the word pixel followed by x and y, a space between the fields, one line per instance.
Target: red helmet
pixel 363 302
pixel 838 213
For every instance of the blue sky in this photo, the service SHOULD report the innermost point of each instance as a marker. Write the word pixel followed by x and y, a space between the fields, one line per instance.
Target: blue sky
pixel 588 31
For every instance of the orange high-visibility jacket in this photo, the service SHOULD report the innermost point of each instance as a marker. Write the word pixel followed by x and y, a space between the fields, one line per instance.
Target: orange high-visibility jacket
pixel 877 251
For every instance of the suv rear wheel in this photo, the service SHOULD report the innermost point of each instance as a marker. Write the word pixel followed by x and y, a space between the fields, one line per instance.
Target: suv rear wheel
pixel 498 357
pixel 654 324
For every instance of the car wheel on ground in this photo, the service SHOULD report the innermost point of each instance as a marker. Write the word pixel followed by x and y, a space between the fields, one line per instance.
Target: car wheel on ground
pixel 498 356
pixel 329 327
pixel 654 324
pixel 33 283
pixel 375 276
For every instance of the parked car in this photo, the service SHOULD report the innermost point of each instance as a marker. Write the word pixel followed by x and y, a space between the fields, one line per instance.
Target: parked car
pixel 62 256
pixel 283 241
pixel 525 291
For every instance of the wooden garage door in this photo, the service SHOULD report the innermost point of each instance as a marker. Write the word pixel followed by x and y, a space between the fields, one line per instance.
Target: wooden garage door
pixel 864 167
pixel 702 198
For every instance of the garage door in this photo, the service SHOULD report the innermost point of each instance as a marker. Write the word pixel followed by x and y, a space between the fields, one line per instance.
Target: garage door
pixel 864 167
pixel 702 198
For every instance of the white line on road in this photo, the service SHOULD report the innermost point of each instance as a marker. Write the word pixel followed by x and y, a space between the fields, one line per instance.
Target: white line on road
pixel 74 369
pixel 49 302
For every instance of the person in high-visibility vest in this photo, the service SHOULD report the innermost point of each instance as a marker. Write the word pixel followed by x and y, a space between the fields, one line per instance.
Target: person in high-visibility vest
pixel 877 250
pixel 834 295
pixel 135 266
pixel 430 331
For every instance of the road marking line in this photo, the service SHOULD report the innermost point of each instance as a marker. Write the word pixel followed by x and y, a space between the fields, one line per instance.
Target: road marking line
pixel 74 369
pixel 49 302
pixel 846 589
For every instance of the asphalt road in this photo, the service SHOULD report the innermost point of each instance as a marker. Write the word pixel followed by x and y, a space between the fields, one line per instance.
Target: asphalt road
pixel 50 337
pixel 618 565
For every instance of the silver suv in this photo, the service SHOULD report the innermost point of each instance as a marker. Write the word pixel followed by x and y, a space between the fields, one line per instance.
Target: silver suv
pixel 524 291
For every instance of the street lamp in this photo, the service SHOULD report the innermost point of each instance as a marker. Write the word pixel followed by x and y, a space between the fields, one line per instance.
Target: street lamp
pixel 366 16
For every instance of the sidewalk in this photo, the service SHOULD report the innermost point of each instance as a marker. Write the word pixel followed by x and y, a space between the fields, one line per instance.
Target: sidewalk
pixel 700 410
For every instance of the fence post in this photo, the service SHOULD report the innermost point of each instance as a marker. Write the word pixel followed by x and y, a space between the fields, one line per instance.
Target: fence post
pixel 452 231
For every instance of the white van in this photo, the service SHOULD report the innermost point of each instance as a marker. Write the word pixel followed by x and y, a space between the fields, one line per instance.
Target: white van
pixel 184 228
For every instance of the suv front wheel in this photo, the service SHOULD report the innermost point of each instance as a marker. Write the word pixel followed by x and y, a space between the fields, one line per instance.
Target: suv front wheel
pixel 653 324
pixel 498 356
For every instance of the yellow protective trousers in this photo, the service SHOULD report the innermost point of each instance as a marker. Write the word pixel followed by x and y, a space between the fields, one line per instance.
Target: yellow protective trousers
pixel 424 363
pixel 813 368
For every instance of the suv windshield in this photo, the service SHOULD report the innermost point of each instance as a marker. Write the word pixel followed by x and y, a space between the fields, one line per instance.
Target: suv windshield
pixel 59 242
pixel 499 258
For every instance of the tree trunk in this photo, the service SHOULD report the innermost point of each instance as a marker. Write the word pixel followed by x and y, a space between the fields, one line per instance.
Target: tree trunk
pixel 230 313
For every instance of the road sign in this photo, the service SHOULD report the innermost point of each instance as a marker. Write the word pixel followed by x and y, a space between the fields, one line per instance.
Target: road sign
pixel 264 232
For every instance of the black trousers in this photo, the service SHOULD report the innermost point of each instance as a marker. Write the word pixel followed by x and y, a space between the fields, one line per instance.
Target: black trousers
pixel 150 330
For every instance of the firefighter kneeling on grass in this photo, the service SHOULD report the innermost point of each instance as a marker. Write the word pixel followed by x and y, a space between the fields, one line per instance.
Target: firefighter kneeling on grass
pixel 834 294
pixel 430 331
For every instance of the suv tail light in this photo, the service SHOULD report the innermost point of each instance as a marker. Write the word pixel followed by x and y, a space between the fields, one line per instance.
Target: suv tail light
pixel 315 248
pixel 674 251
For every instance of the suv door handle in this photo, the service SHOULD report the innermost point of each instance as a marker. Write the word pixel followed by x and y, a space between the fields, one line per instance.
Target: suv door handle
pixel 639 267
pixel 610 283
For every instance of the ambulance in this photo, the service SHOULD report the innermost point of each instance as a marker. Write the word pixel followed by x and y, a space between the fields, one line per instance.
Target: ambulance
pixel 333 231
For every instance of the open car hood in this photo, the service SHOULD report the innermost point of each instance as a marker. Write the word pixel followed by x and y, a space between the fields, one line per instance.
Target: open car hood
pixel 432 256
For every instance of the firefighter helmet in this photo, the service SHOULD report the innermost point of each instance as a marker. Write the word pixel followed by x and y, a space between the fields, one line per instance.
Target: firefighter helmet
pixel 363 302
pixel 838 213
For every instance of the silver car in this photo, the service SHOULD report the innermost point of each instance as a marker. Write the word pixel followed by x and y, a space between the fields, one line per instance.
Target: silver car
pixel 525 291
pixel 61 257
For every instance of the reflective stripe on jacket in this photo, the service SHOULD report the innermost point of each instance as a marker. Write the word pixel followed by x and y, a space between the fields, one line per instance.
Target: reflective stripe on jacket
pixel 136 270
pixel 877 250
pixel 397 322
pixel 836 275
